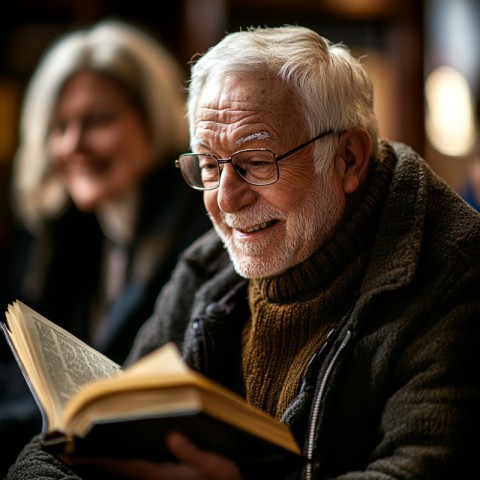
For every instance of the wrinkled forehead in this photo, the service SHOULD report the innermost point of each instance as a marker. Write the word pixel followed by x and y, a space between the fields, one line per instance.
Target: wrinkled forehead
pixel 243 98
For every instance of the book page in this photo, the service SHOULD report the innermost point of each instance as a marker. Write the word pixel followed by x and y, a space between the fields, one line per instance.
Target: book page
pixel 63 362
pixel 164 360
pixel 162 367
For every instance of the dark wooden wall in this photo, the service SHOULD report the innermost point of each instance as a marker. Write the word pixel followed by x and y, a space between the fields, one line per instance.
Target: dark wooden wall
pixel 388 32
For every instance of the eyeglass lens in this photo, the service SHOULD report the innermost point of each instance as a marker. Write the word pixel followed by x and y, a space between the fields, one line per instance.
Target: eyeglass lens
pixel 258 167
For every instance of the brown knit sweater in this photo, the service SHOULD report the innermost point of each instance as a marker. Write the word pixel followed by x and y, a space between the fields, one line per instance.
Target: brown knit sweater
pixel 292 313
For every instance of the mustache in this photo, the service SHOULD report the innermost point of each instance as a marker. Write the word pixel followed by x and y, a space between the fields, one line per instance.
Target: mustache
pixel 254 215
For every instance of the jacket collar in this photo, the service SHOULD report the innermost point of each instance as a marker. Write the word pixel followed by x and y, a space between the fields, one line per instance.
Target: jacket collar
pixel 399 238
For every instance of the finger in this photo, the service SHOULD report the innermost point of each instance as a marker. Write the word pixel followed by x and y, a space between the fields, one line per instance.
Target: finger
pixel 209 464
pixel 183 448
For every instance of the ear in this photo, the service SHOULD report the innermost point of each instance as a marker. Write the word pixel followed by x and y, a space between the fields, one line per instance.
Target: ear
pixel 352 158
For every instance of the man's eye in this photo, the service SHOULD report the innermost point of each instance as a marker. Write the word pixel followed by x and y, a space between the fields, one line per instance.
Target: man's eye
pixel 207 164
pixel 257 162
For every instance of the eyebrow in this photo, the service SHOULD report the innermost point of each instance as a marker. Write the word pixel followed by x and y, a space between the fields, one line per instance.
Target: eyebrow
pixel 261 135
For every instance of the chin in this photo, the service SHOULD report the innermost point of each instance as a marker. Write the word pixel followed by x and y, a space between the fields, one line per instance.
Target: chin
pixel 256 267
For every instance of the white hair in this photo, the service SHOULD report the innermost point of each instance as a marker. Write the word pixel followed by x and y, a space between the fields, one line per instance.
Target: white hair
pixel 126 54
pixel 332 86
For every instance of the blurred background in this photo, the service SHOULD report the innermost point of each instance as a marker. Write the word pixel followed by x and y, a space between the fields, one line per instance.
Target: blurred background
pixel 422 56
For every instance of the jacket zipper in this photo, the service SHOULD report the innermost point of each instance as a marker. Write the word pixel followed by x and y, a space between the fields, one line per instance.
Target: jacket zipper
pixel 318 401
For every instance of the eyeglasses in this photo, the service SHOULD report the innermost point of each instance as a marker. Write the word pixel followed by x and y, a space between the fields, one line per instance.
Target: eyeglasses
pixel 256 166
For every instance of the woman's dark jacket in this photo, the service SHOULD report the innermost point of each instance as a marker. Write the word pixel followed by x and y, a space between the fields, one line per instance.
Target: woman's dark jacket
pixel 64 263
pixel 395 395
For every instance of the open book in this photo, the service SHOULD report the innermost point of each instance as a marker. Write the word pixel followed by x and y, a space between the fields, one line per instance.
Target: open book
pixel 91 406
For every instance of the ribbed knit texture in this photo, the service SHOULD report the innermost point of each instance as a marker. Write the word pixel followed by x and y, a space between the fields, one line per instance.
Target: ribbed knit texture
pixel 293 312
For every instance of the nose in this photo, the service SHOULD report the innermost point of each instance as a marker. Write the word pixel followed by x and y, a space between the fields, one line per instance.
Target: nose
pixel 234 192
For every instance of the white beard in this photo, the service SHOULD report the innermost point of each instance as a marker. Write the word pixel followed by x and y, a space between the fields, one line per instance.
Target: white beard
pixel 306 230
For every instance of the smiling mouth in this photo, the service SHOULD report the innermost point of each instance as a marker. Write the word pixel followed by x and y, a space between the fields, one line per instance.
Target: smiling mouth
pixel 256 228
pixel 89 168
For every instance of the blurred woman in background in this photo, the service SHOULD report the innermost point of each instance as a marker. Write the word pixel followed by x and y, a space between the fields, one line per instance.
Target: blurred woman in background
pixel 102 214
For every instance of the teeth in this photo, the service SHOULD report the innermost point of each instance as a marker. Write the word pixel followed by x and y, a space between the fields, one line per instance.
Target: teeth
pixel 258 227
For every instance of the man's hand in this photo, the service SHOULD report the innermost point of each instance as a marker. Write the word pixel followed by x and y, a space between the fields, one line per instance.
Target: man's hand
pixel 195 464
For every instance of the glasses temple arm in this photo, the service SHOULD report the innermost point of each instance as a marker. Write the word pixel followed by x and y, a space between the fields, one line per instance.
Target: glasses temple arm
pixel 296 149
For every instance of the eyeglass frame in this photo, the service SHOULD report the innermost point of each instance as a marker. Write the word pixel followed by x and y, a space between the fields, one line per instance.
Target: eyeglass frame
pixel 222 161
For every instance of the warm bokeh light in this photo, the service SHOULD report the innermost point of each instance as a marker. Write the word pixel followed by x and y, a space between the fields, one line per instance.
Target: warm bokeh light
pixel 450 119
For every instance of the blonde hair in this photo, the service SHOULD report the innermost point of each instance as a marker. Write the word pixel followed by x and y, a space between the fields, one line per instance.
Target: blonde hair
pixel 121 51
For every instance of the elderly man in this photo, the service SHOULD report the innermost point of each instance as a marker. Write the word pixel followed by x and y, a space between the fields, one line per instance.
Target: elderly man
pixel 338 290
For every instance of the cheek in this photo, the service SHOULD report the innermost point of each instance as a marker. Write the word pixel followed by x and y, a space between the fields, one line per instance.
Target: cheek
pixel 126 137
pixel 58 153
pixel 290 191
pixel 297 175
pixel 113 141
pixel 130 151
